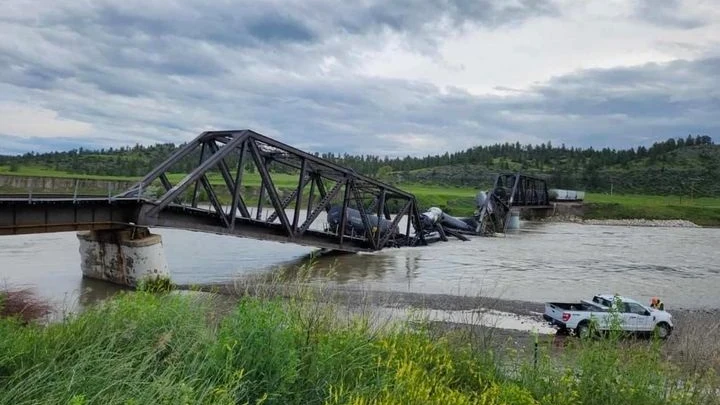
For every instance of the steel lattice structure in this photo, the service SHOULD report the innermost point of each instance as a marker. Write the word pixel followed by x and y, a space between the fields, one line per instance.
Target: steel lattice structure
pixel 520 190
pixel 511 190
pixel 224 158
pixel 237 173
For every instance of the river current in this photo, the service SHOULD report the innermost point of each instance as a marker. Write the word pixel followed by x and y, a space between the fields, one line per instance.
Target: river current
pixel 542 262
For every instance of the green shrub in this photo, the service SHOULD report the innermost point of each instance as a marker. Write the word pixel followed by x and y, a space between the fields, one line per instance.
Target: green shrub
pixel 156 284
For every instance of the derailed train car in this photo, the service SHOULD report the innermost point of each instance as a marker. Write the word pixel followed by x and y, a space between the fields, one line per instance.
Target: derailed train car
pixel 354 224
pixel 491 216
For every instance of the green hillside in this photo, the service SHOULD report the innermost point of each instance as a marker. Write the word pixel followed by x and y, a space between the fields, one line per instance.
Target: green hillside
pixel 690 170
pixel 676 166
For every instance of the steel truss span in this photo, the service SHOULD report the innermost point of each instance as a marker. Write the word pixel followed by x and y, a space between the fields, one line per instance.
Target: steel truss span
pixel 245 184
pixel 238 173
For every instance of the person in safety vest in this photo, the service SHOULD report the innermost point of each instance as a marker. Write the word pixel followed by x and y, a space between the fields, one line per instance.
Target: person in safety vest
pixel 657 304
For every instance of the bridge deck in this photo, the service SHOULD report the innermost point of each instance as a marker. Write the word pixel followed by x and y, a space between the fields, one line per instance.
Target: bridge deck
pixel 25 215
pixel 63 214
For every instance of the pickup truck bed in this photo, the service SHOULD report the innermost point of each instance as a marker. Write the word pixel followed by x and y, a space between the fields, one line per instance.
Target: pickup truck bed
pixel 573 306
pixel 557 313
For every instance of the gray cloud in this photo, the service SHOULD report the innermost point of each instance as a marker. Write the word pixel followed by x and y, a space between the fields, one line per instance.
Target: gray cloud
pixel 163 72
pixel 666 13
pixel 651 90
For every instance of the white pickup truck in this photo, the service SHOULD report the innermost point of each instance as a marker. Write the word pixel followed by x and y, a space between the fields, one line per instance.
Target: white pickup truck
pixel 631 317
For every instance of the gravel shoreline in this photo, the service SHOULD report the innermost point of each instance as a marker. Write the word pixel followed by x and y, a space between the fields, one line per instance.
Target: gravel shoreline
pixel 665 223
pixel 357 297
pixel 693 343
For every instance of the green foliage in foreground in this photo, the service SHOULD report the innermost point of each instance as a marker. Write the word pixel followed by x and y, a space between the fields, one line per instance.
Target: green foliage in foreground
pixel 140 348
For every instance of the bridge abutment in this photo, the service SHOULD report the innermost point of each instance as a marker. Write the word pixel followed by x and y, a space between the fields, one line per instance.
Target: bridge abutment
pixel 123 256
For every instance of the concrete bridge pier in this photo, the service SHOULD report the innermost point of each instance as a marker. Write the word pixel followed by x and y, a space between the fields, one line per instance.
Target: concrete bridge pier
pixel 123 256
pixel 514 219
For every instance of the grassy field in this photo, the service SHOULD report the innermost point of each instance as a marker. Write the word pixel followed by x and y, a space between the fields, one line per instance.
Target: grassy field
pixel 701 211
pixel 144 348
pixel 45 172
pixel 251 179
pixel 636 200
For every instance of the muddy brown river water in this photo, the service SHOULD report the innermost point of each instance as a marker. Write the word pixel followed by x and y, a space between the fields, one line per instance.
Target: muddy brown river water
pixel 543 261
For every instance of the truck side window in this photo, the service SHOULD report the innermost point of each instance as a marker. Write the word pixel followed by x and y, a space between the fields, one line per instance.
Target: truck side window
pixel 635 309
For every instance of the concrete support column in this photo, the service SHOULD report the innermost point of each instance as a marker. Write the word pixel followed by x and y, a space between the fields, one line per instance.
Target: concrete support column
pixel 122 256
pixel 514 220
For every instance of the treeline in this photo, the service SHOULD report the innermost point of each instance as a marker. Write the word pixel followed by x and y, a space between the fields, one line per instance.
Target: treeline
pixel 634 169
pixel 501 156
pixel 139 159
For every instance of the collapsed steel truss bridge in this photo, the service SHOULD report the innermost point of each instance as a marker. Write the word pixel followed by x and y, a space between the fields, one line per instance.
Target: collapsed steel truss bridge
pixel 226 160
pixel 234 176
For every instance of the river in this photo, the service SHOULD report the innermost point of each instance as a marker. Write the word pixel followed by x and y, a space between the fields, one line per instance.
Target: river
pixel 543 261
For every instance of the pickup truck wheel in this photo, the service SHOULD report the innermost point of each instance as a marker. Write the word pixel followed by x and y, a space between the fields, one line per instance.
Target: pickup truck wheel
pixel 583 330
pixel 662 330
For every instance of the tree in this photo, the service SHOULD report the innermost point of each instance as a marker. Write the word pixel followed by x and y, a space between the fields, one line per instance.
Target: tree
pixel 384 171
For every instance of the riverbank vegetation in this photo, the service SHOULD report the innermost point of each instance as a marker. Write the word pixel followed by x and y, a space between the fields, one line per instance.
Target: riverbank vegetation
pixel 22 305
pixel 703 211
pixel 140 347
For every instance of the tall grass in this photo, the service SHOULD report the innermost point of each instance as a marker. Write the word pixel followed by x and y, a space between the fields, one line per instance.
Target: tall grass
pixel 178 348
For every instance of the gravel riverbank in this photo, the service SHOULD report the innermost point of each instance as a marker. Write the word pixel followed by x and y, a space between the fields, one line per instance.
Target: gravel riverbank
pixel 512 323
pixel 666 223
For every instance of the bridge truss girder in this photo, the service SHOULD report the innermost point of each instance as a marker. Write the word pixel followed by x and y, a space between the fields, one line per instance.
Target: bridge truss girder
pixel 511 190
pixel 523 190
pixel 223 161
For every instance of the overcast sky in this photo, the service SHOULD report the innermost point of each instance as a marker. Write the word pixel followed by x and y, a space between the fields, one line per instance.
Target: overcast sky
pixel 373 76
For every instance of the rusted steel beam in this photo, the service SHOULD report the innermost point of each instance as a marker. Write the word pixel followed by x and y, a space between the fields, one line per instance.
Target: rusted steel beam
pixel 364 217
pixel 214 199
pixel 163 167
pixel 272 191
pixel 227 177
pixel 321 205
pixel 237 200
pixel 330 165
pixel 311 198
pixel 197 182
pixel 195 175
pixel 343 214
pixel 394 223
pixel 294 195
pixel 298 194
pixel 380 209
pixel 23 216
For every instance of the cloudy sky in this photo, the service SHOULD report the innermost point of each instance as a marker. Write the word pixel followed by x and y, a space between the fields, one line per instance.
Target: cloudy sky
pixel 363 76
